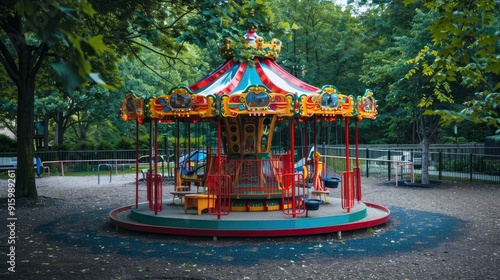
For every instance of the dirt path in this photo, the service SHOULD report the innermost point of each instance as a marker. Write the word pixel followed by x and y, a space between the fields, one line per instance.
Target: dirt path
pixel 448 232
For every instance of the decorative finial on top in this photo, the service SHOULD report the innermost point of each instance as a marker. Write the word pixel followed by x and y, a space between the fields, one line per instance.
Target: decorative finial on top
pixel 251 42
pixel 251 35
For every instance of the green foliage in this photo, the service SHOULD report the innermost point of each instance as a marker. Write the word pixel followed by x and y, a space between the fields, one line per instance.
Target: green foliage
pixel 84 146
pixel 394 33
pixel 59 27
pixel 330 46
pixel 125 143
pixel 231 19
pixel 464 50
pixel 144 141
pixel 7 144
pixel 317 52
pixel 61 147
pixel 104 145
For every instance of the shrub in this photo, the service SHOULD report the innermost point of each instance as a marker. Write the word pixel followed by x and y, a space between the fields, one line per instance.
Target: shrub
pixel 7 144
pixel 104 145
pixel 125 144
pixel 84 146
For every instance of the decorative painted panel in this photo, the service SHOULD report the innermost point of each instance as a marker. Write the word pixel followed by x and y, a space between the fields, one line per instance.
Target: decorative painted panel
pixel 181 102
pixel 366 106
pixel 257 101
pixel 132 107
pixel 328 102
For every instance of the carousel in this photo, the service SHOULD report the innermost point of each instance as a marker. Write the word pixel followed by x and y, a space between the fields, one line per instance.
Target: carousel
pixel 240 187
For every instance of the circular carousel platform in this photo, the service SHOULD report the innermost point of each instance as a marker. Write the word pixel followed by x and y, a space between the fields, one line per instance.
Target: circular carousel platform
pixel 328 218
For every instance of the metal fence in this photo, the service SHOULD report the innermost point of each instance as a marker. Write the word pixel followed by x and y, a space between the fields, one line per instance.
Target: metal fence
pixel 447 162
pixel 444 163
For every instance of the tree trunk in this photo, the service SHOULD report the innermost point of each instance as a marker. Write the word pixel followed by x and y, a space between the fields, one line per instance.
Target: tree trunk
pixel 425 159
pixel 46 133
pixel 22 68
pixel 25 179
pixel 59 131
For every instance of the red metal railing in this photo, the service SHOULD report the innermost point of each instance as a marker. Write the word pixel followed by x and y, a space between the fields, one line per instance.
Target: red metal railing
pixel 293 194
pixel 154 192
pixel 219 190
pixel 253 177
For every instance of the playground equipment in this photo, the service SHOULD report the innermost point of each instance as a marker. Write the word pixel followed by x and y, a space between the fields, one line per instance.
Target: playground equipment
pixel 192 165
pixel 247 101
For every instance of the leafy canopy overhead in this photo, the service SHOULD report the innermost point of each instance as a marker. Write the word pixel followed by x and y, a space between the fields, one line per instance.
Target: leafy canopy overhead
pixel 464 50
pixel 54 22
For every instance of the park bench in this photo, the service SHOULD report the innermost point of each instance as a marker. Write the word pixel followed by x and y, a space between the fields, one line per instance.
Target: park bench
pixel 10 163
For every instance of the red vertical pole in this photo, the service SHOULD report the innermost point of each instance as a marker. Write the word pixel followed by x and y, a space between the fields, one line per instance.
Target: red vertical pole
pixel 155 137
pixel 292 144
pixel 150 146
pixel 149 177
pixel 357 144
pixel 136 163
pixel 219 140
pixel 219 166
pixel 157 186
pixel 357 173
pixel 347 179
pixel 315 133
pixel 315 142
pixel 189 144
pixel 347 159
pixel 306 143
pixel 177 151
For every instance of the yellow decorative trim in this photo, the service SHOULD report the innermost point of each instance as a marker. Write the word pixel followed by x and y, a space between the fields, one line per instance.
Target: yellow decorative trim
pixel 256 101
pixel 257 46
pixel 181 103
pixel 327 103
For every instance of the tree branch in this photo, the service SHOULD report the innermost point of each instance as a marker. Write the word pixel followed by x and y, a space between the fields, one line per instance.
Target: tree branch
pixel 39 57
pixel 147 66
pixel 12 27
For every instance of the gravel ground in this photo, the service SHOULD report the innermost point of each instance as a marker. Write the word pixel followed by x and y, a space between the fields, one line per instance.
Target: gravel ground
pixel 450 231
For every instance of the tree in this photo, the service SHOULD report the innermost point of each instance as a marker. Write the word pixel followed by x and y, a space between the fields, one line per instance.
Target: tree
pixel 383 65
pixel 326 46
pixel 464 51
pixel 22 57
pixel 406 99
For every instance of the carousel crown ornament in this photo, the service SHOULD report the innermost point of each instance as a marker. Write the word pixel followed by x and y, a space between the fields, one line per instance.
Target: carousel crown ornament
pixel 253 42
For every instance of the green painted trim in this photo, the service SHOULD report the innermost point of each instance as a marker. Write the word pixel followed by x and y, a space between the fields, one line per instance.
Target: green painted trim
pixel 145 216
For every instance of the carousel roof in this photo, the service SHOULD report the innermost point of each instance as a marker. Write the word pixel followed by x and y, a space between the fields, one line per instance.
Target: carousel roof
pixel 235 77
pixel 258 87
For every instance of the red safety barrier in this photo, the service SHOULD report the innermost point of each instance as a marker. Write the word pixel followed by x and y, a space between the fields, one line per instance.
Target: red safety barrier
pixel 254 177
pixel 347 190
pixel 219 190
pixel 293 194
pixel 154 191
